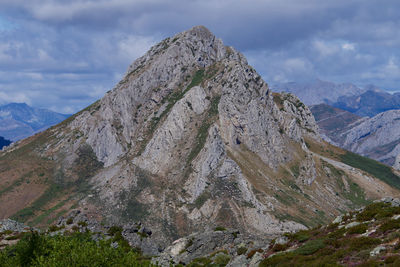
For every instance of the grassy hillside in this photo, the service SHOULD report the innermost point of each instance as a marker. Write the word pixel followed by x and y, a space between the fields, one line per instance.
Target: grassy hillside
pixel 365 238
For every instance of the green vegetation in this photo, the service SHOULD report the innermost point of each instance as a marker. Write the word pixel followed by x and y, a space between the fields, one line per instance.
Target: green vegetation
pixel 77 249
pixel 334 245
pixel 26 213
pixel 241 250
pixel 311 247
pixel 200 200
pixel 358 229
pixel 372 167
pixel 377 210
pixel 220 228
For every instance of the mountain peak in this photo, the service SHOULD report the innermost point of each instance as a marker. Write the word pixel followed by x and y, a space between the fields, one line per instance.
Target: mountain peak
pixel 192 138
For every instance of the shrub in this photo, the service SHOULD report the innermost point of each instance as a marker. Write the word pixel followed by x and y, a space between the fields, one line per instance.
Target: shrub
pixel 220 228
pixel 222 259
pixel 279 247
pixel 114 229
pixel 70 221
pixel 389 225
pixel 82 223
pixel 310 247
pixel 76 250
pixel 358 229
pixel 241 250
pixel 300 236
pixel 363 242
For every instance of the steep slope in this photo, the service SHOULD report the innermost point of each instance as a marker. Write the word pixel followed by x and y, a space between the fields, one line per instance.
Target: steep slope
pixel 190 139
pixel 333 121
pixel 18 120
pixel 377 137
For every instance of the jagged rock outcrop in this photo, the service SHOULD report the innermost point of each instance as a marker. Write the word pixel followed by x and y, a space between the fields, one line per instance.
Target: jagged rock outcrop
pixel 190 139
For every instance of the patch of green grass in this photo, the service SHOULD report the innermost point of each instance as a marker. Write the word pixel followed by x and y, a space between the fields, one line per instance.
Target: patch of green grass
pixel 300 236
pixel 356 195
pixel 372 167
pixel 310 247
pixel 221 259
pixel 52 192
pixel 48 212
pixel 220 228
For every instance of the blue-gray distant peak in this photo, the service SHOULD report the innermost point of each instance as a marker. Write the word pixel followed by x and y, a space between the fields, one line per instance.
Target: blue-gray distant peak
pixel 19 120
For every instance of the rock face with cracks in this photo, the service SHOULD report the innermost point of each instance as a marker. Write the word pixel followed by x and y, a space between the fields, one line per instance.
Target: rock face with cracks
pixel 192 138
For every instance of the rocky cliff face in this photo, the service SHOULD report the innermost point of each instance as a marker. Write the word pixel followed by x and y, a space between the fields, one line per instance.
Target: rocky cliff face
pixel 377 137
pixel 190 139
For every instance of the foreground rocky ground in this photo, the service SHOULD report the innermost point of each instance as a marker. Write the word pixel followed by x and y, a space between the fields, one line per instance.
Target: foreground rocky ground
pixel 365 237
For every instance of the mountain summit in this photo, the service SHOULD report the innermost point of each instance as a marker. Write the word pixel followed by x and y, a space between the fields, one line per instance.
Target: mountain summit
pixel 191 138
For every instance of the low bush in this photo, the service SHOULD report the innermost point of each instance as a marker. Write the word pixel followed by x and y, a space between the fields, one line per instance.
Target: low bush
pixel 358 229
pixel 311 247
pixel 389 225
pixel 79 249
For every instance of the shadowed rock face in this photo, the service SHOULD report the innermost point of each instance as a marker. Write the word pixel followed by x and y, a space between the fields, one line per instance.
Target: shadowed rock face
pixel 193 138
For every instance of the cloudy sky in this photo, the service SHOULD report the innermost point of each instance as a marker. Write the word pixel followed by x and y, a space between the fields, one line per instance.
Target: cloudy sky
pixel 64 54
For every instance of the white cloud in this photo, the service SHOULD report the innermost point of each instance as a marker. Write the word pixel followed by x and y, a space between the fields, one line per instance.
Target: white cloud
pixel 348 46
pixel 17 97
pixel 132 47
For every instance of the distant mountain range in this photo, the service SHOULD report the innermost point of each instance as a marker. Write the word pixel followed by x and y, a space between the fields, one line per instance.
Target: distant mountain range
pixel 18 120
pixel 368 101
pixel 377 137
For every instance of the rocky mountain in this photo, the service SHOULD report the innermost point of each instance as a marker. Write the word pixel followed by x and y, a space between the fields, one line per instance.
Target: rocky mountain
pixel 369 103
pixel 4 142
pixel 365 102
pixel 317 91
pixel 333 122
pixel 18 120
pixel 190 139
pixel 375 137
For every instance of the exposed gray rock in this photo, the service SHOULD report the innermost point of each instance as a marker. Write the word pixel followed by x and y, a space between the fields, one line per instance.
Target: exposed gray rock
pixel 376 251
pixel 240 260
pixel 376 137
pixel 352 224
pixel 11 225
pixel 208 244
pixel 396 164
pixel 192 138
pixel 256 259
